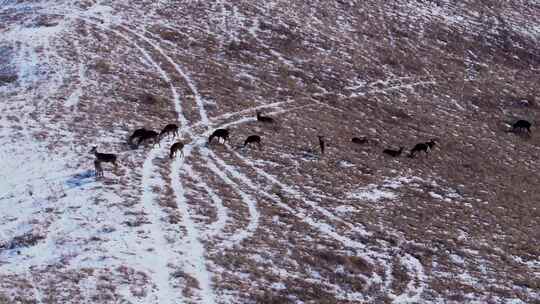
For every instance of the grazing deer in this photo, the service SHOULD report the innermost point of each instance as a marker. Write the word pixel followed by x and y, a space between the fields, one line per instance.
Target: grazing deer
pixel 264 119
pixel 98 168
pixel 253 139
pixel 136 134
pixel 169 129
pixel 359 141
pixel 104 157
pixel 219 133
pixel 321 143
pixel 521 125
pixel 177 146
pixel 149 134
pixel 393 153
pixel 426 147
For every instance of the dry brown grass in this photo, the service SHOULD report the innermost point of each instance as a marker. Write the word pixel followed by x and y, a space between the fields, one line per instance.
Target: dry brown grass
pixel 493 171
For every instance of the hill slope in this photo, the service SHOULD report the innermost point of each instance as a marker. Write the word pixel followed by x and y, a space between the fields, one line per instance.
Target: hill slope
pixel 281 224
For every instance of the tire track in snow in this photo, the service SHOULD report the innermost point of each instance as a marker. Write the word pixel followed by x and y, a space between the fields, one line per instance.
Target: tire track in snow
pixel 413 264
pixel 244 111
pixel 250 203
pixel 195 262
pixel 254 214
pixel 222 215
pixel 198 268
pixel 60 228
pixel 301 214
pixel 159 263
pixel 234 172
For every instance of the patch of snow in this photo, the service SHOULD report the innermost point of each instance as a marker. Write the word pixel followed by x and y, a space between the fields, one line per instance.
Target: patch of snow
pixel 372 194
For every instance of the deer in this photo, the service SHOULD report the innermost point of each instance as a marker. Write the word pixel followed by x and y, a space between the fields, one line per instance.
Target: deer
pixel 521 125
pixel 98 168
pixel 253 139
pixel 359 141
pixel 177 146
pixel 104 157
pixel 393 153
pixel 426 147
pixel 169 129
pixel 321 143
pixel 219 133
pixel 149 134
pixel 264 119
pixel 136 134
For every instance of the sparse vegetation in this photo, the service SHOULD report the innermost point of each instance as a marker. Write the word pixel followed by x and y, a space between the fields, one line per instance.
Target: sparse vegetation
pixel 272 226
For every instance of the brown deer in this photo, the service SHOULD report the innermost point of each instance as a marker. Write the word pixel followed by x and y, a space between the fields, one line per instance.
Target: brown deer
pixel 359 141
pixel 104 157
pixel 253 139
pixel 169 129
pixel 264 119
pixel 393 153
pixel 136 134
pixel 219 133
pixel 521 125
pixel 177 146
pixel 426 147
pixel 149 135
pixel 322 144
pixel 98 168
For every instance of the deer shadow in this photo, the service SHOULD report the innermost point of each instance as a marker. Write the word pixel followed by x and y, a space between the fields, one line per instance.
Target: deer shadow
pixel 81 179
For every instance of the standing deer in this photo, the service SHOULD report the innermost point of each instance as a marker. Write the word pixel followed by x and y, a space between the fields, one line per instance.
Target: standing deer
pixel 149 135
pixel 264 119
pixel 169 129
pixel 393 153
pixel 177 146
pixel 321 143
pixel 426 147
pixel 359 141
pixel 98 168
pixel 219 133
pixel 136 134
pixel 104 157
pixel 521 125
pixel 253 139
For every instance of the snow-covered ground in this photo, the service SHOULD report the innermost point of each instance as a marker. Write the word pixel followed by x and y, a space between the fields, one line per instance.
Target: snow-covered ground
pixel 282 224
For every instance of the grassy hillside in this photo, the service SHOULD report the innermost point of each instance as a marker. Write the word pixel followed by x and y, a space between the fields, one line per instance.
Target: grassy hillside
pixel 285 223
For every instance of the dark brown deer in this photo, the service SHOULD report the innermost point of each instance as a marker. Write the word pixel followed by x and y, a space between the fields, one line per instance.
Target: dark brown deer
pixel 322 144
pixel 169 129
pixel 104 157
pixel 98 168
pixel 521 125
pixel 359 141
pixel 220 134
pixel 426 147
pixel 264 119
pixel 253 139
pixel 393 153
pixel 149 135
pixel 177 146
pixel 136 134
